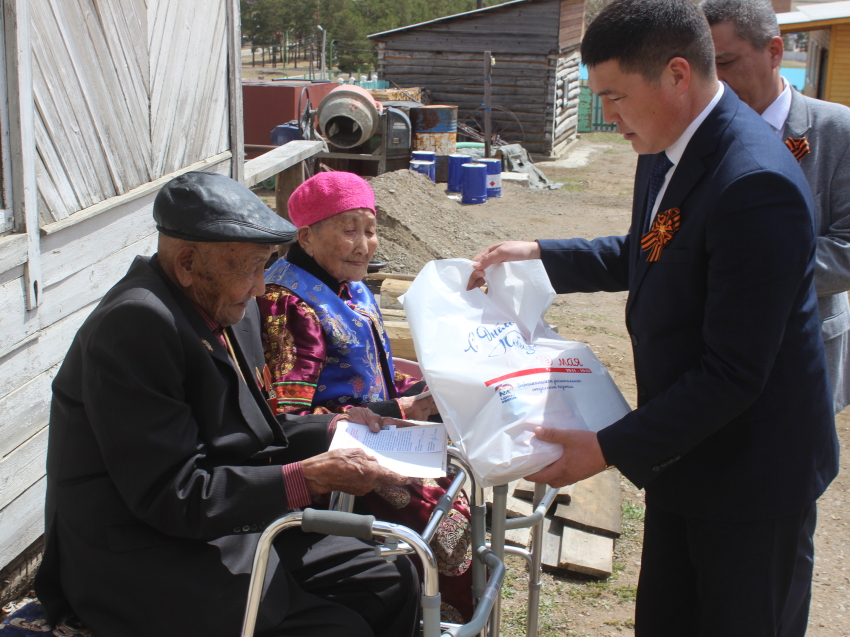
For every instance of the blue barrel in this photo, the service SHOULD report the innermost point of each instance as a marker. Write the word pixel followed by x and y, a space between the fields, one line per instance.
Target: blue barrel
pixel 284 134
pixel 474 183
pixel 494 176
pixel 423 155
pixel 424 167
pixel 455 180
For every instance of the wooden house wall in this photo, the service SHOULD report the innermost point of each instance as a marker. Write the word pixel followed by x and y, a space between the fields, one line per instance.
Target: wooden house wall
pixel 567 90
pixel 127 94
pixel 838 66
pixel 446 57
pixel 571 27
pixel 126 91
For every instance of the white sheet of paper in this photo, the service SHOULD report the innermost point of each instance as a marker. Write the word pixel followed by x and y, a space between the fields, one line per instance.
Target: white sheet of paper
pixel 423 439
pixel 385 447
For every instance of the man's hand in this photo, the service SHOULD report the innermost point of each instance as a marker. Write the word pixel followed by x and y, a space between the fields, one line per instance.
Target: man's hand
pixel 418 409
pixel 365 416
pixel 499 253
pixel 582 457
pixel 348 470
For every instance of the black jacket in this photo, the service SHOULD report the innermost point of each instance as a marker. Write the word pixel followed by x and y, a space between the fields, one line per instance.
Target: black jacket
pixel 162 468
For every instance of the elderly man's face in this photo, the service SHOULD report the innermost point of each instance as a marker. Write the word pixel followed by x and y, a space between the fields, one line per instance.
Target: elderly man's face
pixel 225 276
pixel 343 244
pixel 645 113
pixel 748 71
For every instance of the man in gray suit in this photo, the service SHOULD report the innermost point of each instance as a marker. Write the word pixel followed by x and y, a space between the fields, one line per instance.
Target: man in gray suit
pixel 748 53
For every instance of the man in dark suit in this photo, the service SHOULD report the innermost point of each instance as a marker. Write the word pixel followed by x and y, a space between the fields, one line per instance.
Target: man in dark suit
pixel 748 55
pixel 165 462
pixel 733 438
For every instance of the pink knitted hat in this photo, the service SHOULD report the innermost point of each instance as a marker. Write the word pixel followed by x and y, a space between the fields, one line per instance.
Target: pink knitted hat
pixel 327 194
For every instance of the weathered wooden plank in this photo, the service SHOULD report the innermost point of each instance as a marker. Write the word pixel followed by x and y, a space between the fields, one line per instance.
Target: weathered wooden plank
pixel 152 186
pixel 16 322
pixel 524 490
pixel 234 87
pixel 188 67
pixel 595 505
pixel 583 552
pixel 279 159
pixel 17 36
pixel 391 289
pixel 22 522
pixel 39 355
pixel 553 530
pixel 506 59
pixel 401 340
pixel 83 245
pixel 23 467
pixel 26 410
pixel 13 251
pixel 89 285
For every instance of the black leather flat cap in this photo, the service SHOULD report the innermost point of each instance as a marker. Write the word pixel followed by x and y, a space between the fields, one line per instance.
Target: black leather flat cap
pixel 202 206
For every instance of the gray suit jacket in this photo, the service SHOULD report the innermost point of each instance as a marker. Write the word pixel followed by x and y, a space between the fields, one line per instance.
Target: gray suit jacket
pixel 826 126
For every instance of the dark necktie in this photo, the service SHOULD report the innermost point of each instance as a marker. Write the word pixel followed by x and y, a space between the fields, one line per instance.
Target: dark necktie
pixel 661 164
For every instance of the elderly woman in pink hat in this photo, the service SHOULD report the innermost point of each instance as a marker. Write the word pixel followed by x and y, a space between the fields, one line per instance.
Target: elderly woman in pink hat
pixel 328 351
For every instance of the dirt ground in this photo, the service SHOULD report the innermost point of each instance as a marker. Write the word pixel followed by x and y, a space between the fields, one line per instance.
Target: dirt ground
pixel 596 201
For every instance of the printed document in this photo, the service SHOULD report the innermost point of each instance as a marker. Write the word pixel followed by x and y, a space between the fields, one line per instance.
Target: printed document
pixel 414 452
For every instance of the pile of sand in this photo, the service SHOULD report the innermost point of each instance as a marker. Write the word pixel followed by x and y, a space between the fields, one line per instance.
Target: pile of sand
pixel 418 223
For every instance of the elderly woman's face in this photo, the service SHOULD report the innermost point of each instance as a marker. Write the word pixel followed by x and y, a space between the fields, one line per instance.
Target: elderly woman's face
pixel 343 244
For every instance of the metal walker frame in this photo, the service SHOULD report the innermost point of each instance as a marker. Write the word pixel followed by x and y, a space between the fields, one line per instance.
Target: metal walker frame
pixel 400 540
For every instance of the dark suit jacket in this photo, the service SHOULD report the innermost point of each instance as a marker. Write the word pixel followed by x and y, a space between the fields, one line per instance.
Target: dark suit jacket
pixel 734 417
pixel 162 468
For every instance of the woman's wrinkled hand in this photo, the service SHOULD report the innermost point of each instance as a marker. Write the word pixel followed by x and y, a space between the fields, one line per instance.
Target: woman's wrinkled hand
pixel 418 409
pixel 365 416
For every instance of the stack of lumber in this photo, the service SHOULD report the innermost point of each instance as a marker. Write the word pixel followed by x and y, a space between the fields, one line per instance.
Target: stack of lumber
pixel 397 94
pixel 580 528
pixel 395 321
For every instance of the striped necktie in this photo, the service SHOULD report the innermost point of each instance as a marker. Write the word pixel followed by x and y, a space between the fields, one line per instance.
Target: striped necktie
pixel 661 164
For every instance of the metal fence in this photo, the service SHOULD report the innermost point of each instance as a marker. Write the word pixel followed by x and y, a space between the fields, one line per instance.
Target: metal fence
pixel 590 113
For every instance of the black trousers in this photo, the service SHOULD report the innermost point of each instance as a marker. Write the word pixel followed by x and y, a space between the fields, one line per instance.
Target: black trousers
pixel 336 586
pixel 710 579
pixel 795 619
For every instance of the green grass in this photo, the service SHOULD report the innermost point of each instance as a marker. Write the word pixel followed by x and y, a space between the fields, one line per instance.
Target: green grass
pixel 625 593
pixel 632 511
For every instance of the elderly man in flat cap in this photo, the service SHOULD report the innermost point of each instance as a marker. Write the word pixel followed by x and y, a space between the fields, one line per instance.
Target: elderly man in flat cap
pixel 165 462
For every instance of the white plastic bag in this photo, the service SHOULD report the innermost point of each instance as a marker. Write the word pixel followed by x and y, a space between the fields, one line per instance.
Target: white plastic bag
pixel 497 370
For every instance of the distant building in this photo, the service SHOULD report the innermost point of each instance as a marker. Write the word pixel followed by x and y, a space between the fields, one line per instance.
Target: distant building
pixel 535 44
pixel 828 65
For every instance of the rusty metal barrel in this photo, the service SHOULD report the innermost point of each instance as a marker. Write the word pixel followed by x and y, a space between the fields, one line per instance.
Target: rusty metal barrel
pixel 435 129
pixel 348 116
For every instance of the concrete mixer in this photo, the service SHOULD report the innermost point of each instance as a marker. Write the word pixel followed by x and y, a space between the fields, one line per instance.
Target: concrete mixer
pixel 359 129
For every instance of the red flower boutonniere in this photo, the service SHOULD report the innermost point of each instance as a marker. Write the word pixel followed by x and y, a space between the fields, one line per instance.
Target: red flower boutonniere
pixel 799 147
pixel 663 228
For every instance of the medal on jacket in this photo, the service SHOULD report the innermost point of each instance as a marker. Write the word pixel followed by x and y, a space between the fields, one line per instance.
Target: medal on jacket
pixel 663 228
pixel 799 147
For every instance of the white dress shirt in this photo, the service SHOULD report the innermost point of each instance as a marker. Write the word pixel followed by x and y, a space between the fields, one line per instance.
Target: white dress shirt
pixel 677 148
pixel 777 113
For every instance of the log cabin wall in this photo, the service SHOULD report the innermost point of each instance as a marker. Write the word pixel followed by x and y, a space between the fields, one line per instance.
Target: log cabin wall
pixel 102 103
pixel 533 41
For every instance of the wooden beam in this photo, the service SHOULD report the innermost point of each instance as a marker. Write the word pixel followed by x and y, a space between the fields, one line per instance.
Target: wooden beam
pixel 234 89
pixel 595 505
pixel 279 159
pixel 285 184
pixel 13 251
pixel 17 24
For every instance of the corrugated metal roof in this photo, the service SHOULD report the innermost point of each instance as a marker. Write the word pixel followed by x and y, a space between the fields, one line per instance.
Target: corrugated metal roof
pixel 452 17
pixel 815 13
